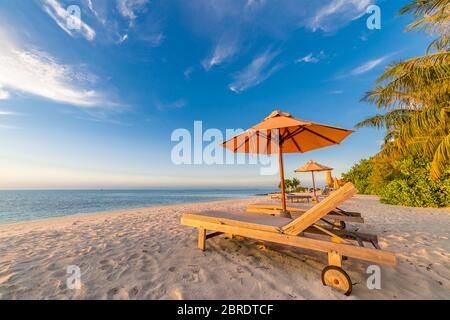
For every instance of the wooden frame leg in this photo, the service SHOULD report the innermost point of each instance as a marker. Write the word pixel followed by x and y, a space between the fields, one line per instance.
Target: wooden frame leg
pixel 201 238
pixel 334 259
pixel 303 242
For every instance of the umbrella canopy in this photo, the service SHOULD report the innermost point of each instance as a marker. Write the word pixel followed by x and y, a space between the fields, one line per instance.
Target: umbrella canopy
pixel 335 183
pixel 295 135
pixel 281 133
pixel 312 167
pixel 329 179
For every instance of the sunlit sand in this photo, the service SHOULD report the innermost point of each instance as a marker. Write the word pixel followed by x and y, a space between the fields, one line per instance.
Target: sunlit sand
pixel 147 254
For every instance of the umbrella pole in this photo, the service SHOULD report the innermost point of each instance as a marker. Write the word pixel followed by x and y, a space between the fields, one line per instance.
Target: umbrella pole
pixel 284 212
pixel 314 185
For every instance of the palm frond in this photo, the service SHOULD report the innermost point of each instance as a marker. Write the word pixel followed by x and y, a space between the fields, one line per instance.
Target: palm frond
pixel 428 120
pixel 416 94
pixel 388 120
pixel 441 159
pixel 413 83
pixel 434 18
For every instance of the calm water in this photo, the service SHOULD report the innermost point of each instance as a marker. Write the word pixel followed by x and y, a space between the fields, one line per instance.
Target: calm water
pixel 24 205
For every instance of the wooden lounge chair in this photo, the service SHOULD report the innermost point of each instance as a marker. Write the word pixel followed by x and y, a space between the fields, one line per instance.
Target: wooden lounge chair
pixel 305 232
pixel 276 195
pixel 338 215
pixel 298 197
pixel 291 197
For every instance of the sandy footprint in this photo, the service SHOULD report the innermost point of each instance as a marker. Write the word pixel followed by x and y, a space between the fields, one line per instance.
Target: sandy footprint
pixel 118 294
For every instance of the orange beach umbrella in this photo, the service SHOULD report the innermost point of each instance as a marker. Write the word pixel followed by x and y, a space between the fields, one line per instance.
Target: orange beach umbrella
pixel 335 183
pixel 312 167
pixel 329 179
pixel 282 133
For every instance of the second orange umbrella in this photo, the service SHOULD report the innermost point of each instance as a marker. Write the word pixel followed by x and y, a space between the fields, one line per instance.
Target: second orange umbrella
pixel 312 167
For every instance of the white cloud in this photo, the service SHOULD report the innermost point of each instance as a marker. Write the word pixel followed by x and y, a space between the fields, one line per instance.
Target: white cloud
pixel 8 113
pixel 338 12
pixel 101 116
pixel 251 3
pixel 249 20
pixel 254 4
pixel 255 73
pixel 369 65
pixel 364 36
pixel 118 21
pixel 7 127
pixel 224 50
pixel 336 92
pixel 3 93
pixel 310 58
pixel 58 13
pixel 123 38
pixel 270 18
pixel 129 8
pixel 154 40
pixel 37 73
pixel 187 73
pixel 307 58
pixel 91 7
pixel 178 104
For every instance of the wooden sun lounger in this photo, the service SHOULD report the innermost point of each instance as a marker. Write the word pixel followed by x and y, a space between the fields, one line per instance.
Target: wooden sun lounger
pixel 274 195
pixel 306 232
pixel 335 215
pixel 298 198
pixel 292 197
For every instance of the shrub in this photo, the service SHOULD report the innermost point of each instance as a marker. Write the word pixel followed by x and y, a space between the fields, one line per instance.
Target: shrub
pixel 414 187
pixel 291 185
pixel 402 182
pixel 359 175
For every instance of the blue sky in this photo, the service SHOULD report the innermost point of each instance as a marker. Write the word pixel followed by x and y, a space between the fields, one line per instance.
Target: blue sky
pixel 95 107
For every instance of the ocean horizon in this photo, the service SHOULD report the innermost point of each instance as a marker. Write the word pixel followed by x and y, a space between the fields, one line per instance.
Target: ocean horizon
pixel 29 205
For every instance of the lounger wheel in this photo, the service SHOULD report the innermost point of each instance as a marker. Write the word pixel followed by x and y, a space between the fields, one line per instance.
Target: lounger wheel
pixel 335 277
pixel 340 225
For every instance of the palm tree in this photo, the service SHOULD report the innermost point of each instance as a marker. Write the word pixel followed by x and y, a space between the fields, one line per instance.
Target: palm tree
pixel 287 184
pixel 434 19
pixel 415 93
pixel 290 184
pixel 295 183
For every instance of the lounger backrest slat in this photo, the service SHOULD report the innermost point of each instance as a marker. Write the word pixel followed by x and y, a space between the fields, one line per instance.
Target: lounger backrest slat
pixel 320 210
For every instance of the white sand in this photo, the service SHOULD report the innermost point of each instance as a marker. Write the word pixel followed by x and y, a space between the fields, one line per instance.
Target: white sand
pixel 147 254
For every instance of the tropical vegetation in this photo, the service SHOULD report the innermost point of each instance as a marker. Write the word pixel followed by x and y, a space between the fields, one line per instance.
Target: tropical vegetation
pixel 292 185
pixel 412 167
pixel 406 181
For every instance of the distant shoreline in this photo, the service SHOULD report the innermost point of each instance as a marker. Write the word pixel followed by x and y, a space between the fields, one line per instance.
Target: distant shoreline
pixel 113 213
pixel 21 206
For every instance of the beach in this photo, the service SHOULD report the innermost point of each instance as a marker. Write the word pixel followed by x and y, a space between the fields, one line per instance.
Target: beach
pixel 146 254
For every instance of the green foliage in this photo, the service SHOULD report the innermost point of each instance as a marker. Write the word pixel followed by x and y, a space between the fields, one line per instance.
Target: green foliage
pixel 414 187
pixel 295 183
pixel 383 172
pixel 413 167
pixel 292 185
pixel 401 182
pixel 359 175
pixel 414 94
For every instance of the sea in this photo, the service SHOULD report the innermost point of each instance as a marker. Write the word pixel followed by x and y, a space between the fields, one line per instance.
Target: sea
pixel 26 205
